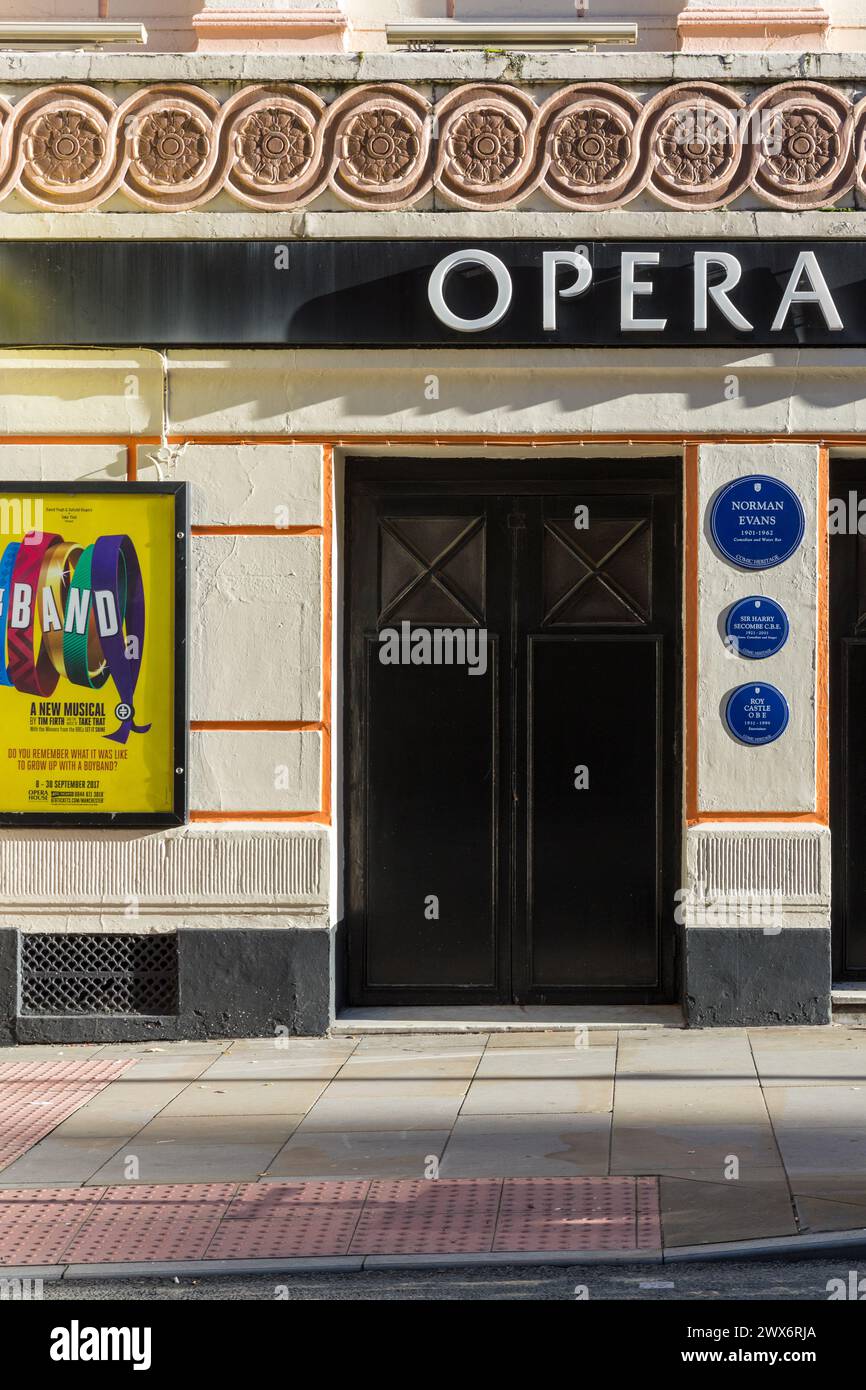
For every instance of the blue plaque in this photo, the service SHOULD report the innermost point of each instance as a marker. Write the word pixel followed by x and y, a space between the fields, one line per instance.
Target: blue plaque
pixel 757 627
pixel 757 714
pixel 757 522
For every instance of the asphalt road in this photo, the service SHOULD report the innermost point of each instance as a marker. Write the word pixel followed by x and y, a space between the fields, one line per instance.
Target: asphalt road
pixel 716 1281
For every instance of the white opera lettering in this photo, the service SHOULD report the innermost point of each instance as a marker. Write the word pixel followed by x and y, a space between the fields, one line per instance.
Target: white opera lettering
pixel 635 281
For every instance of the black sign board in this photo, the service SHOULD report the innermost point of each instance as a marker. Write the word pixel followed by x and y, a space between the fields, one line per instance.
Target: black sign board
pixel 387 293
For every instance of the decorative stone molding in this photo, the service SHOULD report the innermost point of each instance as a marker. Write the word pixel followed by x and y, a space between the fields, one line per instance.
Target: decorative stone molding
pixel 194 868
pixel 796 145
pixel 703 28
pixel 791 864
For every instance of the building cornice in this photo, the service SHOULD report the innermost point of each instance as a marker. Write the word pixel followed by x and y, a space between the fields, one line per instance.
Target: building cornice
pixel 440 67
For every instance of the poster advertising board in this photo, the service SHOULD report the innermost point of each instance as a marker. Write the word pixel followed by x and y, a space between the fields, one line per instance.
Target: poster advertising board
pixel 92 670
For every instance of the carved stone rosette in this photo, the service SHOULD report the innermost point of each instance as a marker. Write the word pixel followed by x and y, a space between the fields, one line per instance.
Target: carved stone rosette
pixel 696 143
pixel 806 145
pixel 381 147
pixel 488 146
pixel 591 151
pixel 175 146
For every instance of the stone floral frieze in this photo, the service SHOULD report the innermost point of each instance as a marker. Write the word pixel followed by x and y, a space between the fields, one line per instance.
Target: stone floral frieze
pixel 384 145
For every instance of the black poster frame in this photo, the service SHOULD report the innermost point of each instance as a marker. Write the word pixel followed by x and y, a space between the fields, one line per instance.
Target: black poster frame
pixel 179 814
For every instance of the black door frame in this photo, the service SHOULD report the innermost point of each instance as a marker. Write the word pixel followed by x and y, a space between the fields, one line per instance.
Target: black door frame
pixel 530 476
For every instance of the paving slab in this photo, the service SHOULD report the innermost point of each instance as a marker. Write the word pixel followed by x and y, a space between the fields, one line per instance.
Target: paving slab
pixel 298 1047
pixel 548 1063
pixel 693 1055
pixel 697 1212
pixel 664 1126
pixel 81 1144
pixel 412 1045
pixel 63 1160
pixel 572 1096
pixel 821 1134
pixel 256 1096
pixel 822 1214
pixel 187 1048
pixel 488 1146
pixel 371 1105
pixel 386 1064
pixel 206 1148
pixel 168 1066
pixel 41 1052
pixel 406 1153
pixel 830 1058
pixel 576 1035
pixel 275 1064
pixel 124 1107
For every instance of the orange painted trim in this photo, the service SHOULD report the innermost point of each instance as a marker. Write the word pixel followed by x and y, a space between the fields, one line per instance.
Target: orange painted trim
pixel 255 530
pixel 267 725
pixel 309 817
pixel 122 439
pixel 822 663
pixel 132 461
pixel 327 622
pixel 395 441
pixel 690 633
pixel 807 817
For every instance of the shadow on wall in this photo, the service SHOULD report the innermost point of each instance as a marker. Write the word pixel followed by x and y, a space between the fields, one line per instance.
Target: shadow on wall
pixel 643 392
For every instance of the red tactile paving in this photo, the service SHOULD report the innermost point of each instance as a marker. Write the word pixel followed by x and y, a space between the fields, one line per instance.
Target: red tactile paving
pixel 567 1214
pixel 37 1224
pixel 168 1221
pixel 285 1220
pixel 36 1096
pixel 275 1219
pixel 442 1216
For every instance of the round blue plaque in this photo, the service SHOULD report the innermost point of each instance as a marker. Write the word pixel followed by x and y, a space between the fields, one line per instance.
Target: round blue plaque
pixel 756 627
pixel 757 714
pixel 757 522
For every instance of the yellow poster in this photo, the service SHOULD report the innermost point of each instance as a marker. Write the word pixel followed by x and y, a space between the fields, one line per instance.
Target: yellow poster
pixel 87 676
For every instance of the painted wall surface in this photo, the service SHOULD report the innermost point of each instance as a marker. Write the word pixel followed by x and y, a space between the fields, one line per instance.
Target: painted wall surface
pixel 780 776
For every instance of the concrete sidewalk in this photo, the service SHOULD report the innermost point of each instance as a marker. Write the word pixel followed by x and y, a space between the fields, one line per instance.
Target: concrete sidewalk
pixel 750 1133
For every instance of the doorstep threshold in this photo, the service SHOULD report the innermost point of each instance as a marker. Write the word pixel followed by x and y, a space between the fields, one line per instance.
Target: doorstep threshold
pixel 507 1018
pixel 849 992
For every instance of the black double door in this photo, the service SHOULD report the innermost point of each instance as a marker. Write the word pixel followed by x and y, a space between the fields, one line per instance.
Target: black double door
pixel 512 732
pixel 848 721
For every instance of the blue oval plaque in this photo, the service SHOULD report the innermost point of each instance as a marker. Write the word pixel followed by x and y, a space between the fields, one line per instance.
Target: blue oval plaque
pixel 756 627
pixel 757 714
pixel 757 522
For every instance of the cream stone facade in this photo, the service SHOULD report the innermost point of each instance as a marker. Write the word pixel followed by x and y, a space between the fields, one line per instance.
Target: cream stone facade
pixel 254 884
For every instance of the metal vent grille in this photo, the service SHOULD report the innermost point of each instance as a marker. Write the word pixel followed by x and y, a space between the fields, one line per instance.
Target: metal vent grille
pixel 98 974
